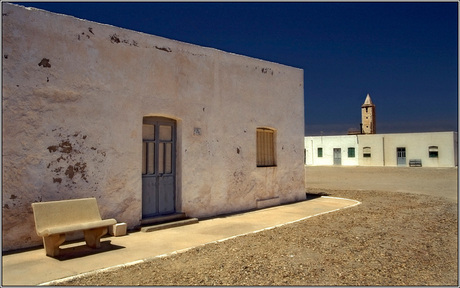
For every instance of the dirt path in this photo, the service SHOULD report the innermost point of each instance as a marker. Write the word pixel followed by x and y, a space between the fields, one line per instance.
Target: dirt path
pixel 392 238
pixel 440 182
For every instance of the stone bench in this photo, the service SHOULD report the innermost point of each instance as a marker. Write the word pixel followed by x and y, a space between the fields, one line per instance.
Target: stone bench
pixel 415 163
pixel 54 219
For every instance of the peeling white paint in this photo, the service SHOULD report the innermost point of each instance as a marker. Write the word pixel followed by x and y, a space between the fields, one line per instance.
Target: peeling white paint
pixel 72 126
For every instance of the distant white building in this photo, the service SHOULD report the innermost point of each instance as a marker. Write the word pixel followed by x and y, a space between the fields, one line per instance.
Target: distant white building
pixel 431 149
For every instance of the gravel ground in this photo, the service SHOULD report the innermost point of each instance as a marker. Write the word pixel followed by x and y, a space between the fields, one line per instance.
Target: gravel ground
pixel 392 238
pixel 440 182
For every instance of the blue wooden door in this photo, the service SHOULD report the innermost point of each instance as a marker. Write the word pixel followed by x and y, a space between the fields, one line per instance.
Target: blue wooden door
pixel 158 166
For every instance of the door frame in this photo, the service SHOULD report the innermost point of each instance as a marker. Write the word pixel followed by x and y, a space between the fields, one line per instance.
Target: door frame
pixel 337 151
pixel 157 121
pixel 400 159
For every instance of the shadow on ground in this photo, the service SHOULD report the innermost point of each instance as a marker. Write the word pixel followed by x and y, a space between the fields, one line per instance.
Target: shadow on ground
pixel 311 196
pixel 83 251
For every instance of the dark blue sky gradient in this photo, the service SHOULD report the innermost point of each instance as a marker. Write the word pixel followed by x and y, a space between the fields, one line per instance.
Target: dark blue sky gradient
pixel 404 54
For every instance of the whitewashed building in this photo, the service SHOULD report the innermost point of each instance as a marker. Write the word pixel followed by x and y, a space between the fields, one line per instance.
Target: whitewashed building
pixel 433 149
pixel 332 150
pixel 366 148
pixel 147 125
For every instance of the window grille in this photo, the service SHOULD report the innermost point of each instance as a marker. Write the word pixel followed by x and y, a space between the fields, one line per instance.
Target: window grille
pixel 367 152
pixel 351 152
pixel 265 147
pixel 320 152
pixel 401 152
pixel 433 152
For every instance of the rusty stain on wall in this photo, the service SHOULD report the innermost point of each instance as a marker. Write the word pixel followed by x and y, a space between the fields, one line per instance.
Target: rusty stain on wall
pixel 167 49
pixel 114 38
pixel 267 70
pixel 45 63
pixel 73 155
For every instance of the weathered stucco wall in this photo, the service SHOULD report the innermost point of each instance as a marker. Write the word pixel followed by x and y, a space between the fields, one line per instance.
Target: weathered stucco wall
pixel 74 96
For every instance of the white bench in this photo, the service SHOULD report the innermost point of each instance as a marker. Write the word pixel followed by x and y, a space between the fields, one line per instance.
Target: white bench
pixel 54 219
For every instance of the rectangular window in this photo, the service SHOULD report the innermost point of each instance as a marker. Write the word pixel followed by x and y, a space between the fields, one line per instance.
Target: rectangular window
pixel 433 151
pixel 401 152
pixel 320 152
pixel 367 152
pixel 265 147
pixel 351 152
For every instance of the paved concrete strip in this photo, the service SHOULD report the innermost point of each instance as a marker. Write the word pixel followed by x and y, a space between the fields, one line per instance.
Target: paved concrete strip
pixel 33 267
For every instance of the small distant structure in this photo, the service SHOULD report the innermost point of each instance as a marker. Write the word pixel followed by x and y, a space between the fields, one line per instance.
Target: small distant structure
pixel 363 147
pixel 368 125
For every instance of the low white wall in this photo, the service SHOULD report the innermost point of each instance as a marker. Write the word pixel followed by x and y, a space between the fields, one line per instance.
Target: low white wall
pixel 328 143
pixel 374 141
pixel 417 145
pixel 383 148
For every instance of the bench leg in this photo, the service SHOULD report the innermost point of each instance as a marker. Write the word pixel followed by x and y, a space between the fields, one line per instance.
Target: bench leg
pixel 93 236
pixel 52 243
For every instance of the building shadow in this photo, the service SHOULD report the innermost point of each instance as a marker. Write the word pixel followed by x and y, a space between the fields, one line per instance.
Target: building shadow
pixel 311 196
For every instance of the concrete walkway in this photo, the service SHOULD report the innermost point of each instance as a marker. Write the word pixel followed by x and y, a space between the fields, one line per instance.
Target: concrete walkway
pixel 34 267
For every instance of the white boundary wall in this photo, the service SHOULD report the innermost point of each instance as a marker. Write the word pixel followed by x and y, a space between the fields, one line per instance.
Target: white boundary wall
pixel 328 143
pixel 383 149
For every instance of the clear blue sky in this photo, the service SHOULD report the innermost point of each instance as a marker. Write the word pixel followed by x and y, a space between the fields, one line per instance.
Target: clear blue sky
pixel 405 55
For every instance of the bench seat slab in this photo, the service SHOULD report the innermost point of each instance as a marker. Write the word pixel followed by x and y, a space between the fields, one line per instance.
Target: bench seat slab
pixel 76 227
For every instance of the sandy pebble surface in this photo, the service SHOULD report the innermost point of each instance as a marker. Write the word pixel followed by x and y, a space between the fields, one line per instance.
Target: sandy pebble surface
pixel 392 238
